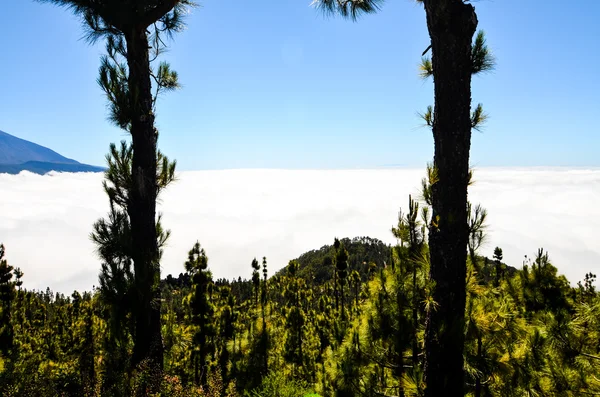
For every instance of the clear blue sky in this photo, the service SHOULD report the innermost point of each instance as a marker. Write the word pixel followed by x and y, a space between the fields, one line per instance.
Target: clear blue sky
pixel 276 84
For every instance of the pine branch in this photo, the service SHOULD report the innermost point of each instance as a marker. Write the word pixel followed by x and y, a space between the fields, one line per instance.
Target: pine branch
pixel 158 12
pixel 348 8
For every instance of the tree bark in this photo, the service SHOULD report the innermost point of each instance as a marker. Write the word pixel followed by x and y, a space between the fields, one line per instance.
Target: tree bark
pixel 415 319
pixel 451 25
pixel 142 206
pixel 342 279
pixel 264 342
pixel 479 362
pixel 335 292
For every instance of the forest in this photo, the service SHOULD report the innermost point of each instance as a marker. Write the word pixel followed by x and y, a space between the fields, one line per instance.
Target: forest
pixel 428 316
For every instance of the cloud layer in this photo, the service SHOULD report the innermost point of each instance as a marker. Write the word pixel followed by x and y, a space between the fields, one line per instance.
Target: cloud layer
pixel 237 215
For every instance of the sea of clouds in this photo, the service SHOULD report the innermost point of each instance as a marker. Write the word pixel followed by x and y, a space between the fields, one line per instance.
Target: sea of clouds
pixel 45 221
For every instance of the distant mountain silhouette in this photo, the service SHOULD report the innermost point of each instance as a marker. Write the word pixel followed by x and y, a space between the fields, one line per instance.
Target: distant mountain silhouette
pixel 18 155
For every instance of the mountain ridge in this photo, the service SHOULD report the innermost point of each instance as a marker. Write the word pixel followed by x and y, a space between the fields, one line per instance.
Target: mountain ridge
pixel 18 155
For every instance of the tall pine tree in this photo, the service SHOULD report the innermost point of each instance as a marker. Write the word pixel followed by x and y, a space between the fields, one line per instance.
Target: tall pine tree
pixel 451 25
pixel 202 311
pixel 135 32
pixel 7 295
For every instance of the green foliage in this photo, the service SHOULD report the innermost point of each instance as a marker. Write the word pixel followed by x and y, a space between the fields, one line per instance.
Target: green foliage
pixel 427 116
pixel 256 279
pixel 113 239
pixel 348 8
pixel 202 311
pixel 528 331
pixel 481 56
pixel 111 19
pixel 478 117
pixel 426 68
pixel 276 384
pixel 317 266
pixel 7 296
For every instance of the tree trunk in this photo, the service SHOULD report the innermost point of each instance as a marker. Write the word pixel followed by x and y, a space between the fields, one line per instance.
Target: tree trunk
pixel 264 341
pixel 196 368
pixel 399 375
pixel 479 363
pixel 142 206
pixel 415 318
pixel 335 282
pixel 451 25
pixel 342 279
pixel 499 275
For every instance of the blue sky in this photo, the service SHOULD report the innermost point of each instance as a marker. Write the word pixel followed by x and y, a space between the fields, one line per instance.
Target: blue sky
pixel 275 84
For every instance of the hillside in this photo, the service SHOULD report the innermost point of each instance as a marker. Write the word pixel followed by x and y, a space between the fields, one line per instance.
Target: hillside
pixel 18 155
pixel 362 252
pixel 302 336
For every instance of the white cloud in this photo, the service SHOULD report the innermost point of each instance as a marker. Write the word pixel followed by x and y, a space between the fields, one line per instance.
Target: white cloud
pixel 237 215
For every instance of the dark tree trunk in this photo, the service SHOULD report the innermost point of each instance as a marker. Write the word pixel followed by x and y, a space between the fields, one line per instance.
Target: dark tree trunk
pixel 399 374
pixel 342 280
pixel 451 25
pixel 399 352
pixel 499 274
pixel 142 207
pixel 264 341
pixel 479 362
pixel 196 368
pixel 204 374
pixel 201 362
pixel 335 293
pixel 415 318
pixel 86 358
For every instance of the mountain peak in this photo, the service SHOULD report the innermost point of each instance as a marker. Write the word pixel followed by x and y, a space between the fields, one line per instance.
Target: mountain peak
pixel 18 154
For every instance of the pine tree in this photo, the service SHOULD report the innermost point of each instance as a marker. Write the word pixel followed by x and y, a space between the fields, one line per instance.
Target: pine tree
pixel 18 276
pixel 355 281
pixel 86 346
pixel 477 226
pixel 295 322
pixel 228 317
pixel 451 25
pixel 586 292
pixel 329 263
pixel 135 32
pixel 543 288
pixel 202 311
pixel 498 265
pixel 256 279
pixel 264 336
pixel 411 234
pixel 264 289
pixel 113 239
pixel 7 295
pixel 341 264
